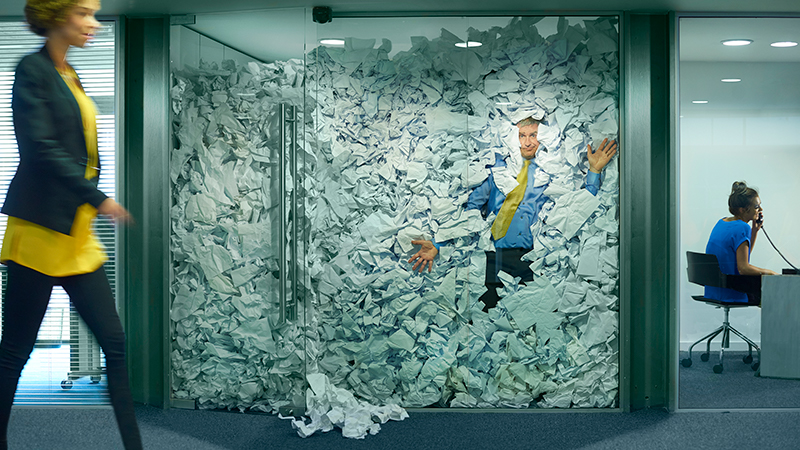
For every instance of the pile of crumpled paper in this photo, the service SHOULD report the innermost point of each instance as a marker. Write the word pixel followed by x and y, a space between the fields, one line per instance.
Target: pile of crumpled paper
pixel 392 148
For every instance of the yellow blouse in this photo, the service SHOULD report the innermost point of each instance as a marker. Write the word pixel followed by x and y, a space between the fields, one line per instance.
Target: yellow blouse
pixel 48 251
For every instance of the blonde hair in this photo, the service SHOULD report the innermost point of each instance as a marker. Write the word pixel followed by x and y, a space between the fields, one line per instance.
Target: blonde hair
pixel 44 15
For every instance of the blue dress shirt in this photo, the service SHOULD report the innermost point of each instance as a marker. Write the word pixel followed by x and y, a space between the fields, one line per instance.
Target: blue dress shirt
pixel 519 231
pixel 489 196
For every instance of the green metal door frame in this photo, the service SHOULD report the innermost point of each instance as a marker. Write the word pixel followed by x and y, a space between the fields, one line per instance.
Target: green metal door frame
pixel 648 206
pixel 144 172
pixel 647 209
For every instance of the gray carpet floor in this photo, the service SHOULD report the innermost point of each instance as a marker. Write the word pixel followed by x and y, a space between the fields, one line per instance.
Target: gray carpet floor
pixel 736 387
pixel 87 429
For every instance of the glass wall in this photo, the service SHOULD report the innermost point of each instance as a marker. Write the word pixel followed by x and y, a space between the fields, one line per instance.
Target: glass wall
pixel 739 111
pixel 406 130
pixel 416 141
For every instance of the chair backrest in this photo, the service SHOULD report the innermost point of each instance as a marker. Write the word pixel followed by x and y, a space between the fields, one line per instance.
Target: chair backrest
pixel 703 269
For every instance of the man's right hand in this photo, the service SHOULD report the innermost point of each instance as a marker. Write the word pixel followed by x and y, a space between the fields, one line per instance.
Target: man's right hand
pixel 424 256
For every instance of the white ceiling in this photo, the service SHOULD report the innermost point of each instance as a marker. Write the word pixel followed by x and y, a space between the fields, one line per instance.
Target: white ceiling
pixel 701 39
pixel 770 84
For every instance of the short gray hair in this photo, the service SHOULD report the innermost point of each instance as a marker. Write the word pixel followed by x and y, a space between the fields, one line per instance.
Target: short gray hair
pixel 527 121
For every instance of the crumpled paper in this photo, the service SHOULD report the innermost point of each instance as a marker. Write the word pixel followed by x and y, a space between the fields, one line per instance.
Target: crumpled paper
pixel 391 149
pixel 328 406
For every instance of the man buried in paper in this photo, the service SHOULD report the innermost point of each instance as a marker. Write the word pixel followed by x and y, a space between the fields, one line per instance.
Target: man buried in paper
pixel 515 213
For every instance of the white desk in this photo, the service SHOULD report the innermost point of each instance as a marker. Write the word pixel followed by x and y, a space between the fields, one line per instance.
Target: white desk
pixel 780 326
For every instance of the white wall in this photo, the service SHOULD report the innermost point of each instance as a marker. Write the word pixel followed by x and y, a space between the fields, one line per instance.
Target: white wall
pixel 718 148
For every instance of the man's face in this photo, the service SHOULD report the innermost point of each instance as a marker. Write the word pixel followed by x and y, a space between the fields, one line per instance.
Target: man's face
pixel 528 141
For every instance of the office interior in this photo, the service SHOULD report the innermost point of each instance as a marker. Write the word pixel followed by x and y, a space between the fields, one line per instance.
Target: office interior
pixel 277 181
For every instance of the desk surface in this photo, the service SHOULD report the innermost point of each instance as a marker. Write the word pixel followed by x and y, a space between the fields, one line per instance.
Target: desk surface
pixel 780 326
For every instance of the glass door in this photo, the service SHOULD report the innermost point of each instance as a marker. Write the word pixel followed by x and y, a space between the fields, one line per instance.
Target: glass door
pixel 238 317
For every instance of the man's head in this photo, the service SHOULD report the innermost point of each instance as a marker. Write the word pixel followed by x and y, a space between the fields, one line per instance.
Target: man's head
pixel 528 137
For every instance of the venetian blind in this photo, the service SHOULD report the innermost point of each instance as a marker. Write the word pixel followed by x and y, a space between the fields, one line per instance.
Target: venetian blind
pixel 65 350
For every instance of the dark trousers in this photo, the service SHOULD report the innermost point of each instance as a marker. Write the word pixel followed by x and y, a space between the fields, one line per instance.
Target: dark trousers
pixel 509 261
pixel 24 305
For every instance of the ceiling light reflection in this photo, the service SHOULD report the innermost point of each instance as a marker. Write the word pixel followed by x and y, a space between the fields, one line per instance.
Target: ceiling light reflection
pixel 468 44
pixel 331 41
pixel 737 42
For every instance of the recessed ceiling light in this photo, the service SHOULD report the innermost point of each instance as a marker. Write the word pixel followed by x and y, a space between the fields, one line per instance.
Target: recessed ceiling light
pixel 503 103
pixel 700 102
pixel 469 44
pixel 784 44
pixel 731 80
pixel 737 42
pixel 331 41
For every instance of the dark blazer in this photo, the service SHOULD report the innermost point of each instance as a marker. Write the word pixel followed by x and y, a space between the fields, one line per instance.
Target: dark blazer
pixel 49 185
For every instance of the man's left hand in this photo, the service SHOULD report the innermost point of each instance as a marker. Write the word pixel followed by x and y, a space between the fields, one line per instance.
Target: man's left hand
pixel 598 159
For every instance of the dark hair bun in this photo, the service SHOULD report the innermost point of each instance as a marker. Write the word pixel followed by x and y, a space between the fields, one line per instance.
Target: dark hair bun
pixel 739 187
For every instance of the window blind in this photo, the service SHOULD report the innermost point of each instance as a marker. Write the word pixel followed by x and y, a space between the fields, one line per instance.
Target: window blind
pixel 66 364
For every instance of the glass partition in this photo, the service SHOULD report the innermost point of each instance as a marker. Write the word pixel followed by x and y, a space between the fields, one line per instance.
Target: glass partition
pixel 292 232
pixel 739 112
pixel 416 142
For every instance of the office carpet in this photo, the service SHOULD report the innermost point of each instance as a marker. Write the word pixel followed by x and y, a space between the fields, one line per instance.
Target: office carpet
pixel 736 387
pixel 88 429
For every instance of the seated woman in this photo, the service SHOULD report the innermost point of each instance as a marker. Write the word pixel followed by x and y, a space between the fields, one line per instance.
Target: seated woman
pixel 732 240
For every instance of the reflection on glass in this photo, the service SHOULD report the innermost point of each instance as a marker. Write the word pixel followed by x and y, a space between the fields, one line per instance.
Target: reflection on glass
pixel 744 130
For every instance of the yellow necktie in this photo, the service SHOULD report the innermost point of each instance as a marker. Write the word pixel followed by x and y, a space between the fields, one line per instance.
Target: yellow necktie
pixel 510 204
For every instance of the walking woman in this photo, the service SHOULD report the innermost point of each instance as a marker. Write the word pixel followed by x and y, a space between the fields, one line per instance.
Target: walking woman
pixel 52 202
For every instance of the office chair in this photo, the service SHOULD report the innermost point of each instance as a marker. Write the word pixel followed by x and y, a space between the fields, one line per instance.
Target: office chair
pixel 704 270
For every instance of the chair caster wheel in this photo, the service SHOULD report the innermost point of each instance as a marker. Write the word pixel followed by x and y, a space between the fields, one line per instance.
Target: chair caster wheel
pixel 747 359
pixel 756 366
pixel 718 368
pixel 66 384
pixel 704 357
pixel 686 362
